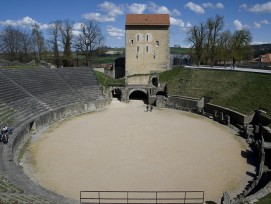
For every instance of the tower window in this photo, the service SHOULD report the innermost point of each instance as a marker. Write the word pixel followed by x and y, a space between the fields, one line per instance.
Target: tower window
pixel 157 43
pixel 137 37
pixel 147 37
pixel 137 48
pixel 147 48
pixel 132 42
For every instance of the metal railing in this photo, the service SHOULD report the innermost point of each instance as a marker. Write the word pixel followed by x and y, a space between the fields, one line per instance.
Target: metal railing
pixel 135 197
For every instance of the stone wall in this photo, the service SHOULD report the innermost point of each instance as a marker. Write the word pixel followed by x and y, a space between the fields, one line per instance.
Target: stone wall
pixel 182 103
pixel 137 80
pixel 236 118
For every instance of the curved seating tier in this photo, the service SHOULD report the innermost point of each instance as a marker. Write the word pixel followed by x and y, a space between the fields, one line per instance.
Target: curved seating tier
pixel 27 92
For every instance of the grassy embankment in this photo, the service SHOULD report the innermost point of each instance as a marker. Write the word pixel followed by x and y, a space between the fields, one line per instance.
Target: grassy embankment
pixel 265 200
pixel 243 92
pixel 108 81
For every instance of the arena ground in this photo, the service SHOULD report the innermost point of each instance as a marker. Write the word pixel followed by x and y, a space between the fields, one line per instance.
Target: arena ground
pixel 127 148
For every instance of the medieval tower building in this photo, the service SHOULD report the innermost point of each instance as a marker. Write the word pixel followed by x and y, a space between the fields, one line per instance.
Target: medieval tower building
pixel 147 47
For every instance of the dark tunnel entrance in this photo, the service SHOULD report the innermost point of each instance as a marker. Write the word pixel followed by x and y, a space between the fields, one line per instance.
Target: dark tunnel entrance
pixel 116 93
pixel 139 95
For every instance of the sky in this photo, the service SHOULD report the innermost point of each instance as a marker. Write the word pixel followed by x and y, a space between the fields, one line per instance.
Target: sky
pixel 254 15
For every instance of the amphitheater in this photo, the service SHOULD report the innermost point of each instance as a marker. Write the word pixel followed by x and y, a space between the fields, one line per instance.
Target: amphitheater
pixel 37 100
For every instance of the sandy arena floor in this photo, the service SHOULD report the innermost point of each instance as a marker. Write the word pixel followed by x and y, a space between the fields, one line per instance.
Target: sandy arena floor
pixel 126 148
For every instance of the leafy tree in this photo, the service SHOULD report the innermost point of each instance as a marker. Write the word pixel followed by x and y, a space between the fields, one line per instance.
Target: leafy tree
pixel 90 40
pixel 241 40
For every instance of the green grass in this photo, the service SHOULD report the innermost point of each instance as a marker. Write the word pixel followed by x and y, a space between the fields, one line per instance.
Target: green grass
pixel 265 200
pixel 239 91
pixel 180 50
pixel 108 81
pixel 104 59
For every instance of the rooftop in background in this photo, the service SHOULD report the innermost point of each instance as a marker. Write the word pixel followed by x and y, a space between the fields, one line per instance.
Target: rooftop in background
pixel 147 19
pixel 263 58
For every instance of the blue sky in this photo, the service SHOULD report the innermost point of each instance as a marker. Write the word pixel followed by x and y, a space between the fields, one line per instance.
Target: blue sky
pixel 254 15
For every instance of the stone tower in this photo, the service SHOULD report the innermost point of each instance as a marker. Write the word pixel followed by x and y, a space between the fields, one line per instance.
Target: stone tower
pixel 147 47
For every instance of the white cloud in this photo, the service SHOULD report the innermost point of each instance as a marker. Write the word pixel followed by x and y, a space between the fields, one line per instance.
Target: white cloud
pixel 188 25
pixel 111 9
pixel 266 22
pixel 77 26
pixel 27 22
pixel 152 7
pixel 243 6
pixel 175 12
pixel 259 42
pixel 195 7
pixel 219 6
pixel 257 8
pixel 257 25
pixel 176 22
pixel 115 32
pixel 76 32
pixel 238 25
pixel 208 5
pixel 261 8
pixel 76 29
pixel 137 8
pixel 98 17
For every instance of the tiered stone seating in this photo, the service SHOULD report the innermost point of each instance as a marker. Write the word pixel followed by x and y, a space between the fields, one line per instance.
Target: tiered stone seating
pixel 43 95
pixel 83 80
pixel 12 194
pixel 27 92
pixel 45 85
pixel 15 104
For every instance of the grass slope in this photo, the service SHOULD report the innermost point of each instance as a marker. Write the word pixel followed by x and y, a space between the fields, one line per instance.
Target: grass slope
pixel 239 91
pixel 265 200
pixel 108 81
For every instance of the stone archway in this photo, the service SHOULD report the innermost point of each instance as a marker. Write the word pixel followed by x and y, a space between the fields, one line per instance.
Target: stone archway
pixel 160 93
pixel 116 93
pixel 138 94
pixel 154 80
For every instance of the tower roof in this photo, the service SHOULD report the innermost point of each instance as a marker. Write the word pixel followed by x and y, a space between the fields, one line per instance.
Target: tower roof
pixel 147 19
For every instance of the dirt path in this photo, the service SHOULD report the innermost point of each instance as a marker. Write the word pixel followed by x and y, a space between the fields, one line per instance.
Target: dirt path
pixel 126 148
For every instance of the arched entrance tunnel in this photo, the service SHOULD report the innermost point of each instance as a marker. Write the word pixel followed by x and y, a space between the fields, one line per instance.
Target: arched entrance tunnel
pixel 116 93
pixel 138 95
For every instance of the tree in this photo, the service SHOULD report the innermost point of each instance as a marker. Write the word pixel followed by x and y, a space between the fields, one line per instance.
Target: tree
pixel 196 37
pixel 38 41
pixel 241 40
pixel 90 40
pixel 224 47
pixel 54 33
pixel 218 26
pixel 66 34
pixel 11 43
pixel 27 48
pixel 214 27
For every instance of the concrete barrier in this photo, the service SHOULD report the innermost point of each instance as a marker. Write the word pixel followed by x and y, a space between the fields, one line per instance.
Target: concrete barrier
pixel 182 103
pixel 236 118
